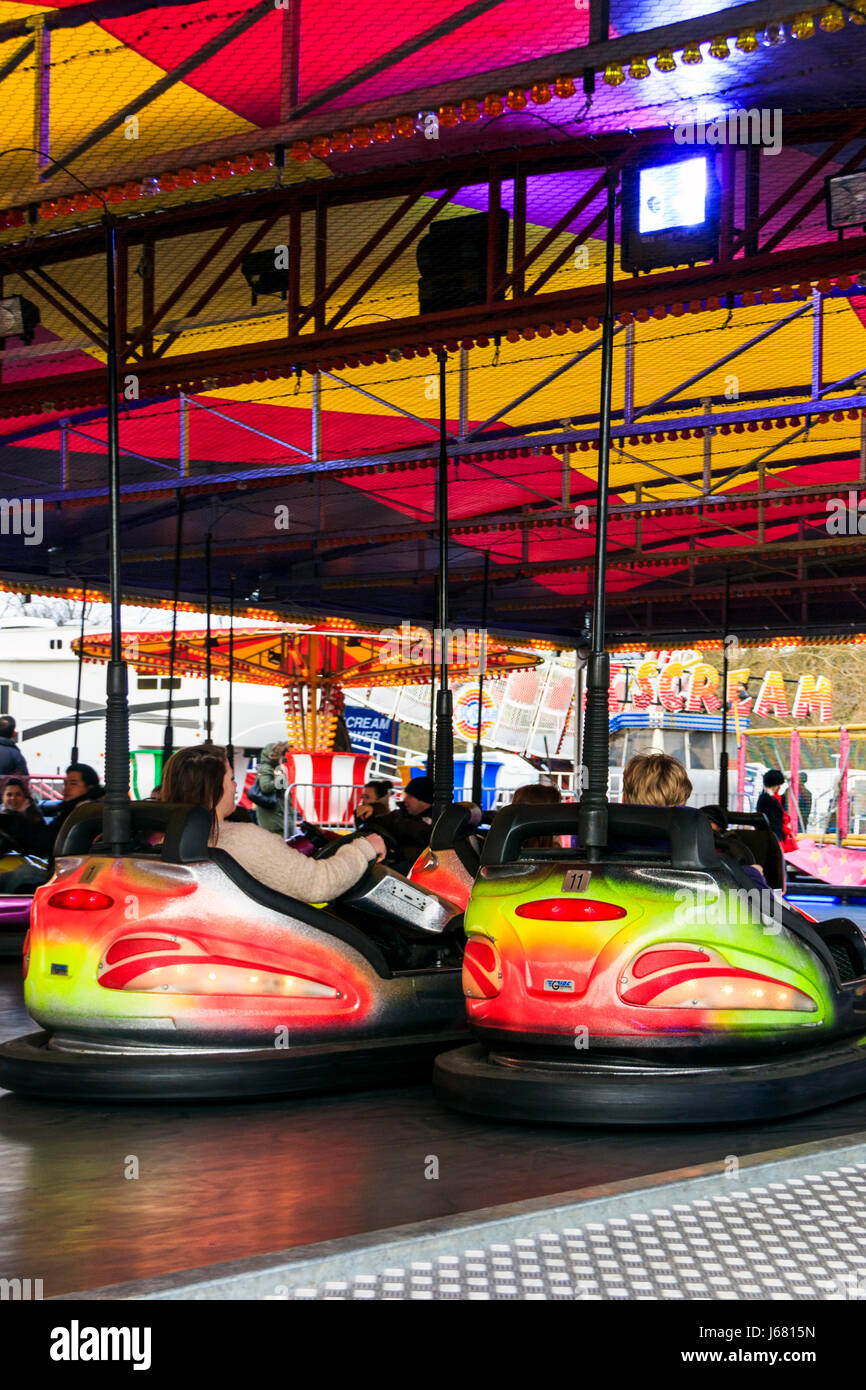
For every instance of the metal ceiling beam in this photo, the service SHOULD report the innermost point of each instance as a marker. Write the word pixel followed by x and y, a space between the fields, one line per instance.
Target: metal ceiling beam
pixel 386 182
pixel 840 547
pixel 545 68
pixel 252 476
pixel 189 371
pixel 707 593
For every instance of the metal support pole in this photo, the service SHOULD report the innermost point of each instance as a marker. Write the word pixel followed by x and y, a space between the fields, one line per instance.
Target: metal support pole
pixel 566 477
pixel 463 399
pixel 74 758
pixel 593 800
pixel 817 343
pixel 431 735
pixel 444 774
pixel 230 748
pixel 183 443
pixel 316 419
pixel 708 448
pixel 723 761
pixel 207 658
pixel 578 724
pixel 628 404
pixel 64 454
pixel 168 737
pixel 116 824
pixel 41 90
pixel 477 771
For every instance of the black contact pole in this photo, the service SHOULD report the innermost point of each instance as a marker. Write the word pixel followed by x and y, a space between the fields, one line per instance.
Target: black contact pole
pixel 116 820
pixel 723 760
pixel 230 748
pixel 168 737
pixel 431 734
pixel 74 758
pixel 443 782
pixel 207 650
pixel 593 800
pixel 477 769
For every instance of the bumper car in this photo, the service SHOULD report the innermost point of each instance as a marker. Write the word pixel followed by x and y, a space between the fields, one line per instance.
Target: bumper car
pixel 657 986
pixel 20 875
pixel 170 973
pixel 449 864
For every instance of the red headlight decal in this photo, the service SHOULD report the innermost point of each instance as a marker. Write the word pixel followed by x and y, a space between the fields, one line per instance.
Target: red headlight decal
pixel 482 969
pixel 137 946
pixel 80 900
pixel 570 910
pixel 651 961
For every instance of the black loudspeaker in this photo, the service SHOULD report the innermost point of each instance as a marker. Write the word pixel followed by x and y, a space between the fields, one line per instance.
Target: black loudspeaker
pixel 452 260
pixel 265 273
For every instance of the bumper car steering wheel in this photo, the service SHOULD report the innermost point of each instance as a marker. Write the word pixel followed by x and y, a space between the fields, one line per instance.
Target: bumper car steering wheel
pixel 391 845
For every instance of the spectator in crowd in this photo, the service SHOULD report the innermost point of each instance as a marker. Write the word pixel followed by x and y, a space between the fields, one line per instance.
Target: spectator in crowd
pixel 410 825
pixel 17 798
pixel 771 805
pixel 804 801
pixel 80 784
pixel 538 794
pixel 268 792
pixel 11 758
pixel 375 801
pixel 21 819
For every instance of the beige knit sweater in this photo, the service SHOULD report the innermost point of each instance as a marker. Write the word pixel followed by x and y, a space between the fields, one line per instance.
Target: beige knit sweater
pixel 264 855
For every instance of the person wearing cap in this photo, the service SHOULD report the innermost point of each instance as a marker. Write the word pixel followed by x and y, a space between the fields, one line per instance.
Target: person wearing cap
pixel 771 805
pixel 410 825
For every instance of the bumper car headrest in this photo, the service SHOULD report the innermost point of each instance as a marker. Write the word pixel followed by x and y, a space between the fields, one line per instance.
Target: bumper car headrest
pixel 679 835
pixel 454 823
pixel 185 830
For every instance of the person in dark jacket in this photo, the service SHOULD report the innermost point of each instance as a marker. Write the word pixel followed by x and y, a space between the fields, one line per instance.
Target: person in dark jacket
pixel 770 803
pixel 21 819
pixel 80 784
pixel 11 758
pixel 410 825
pixel 804 801
pixel 375 801
pixel 727 841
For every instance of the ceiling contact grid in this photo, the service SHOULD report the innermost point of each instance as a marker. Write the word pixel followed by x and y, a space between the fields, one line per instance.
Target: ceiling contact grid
pixel 802 1238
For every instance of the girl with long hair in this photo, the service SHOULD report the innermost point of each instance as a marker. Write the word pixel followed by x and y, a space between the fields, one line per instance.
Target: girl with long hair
pixel 201 776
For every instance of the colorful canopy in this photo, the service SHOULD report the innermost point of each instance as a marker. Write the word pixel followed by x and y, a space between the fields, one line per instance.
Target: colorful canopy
pixel 737 387
pixel 313 666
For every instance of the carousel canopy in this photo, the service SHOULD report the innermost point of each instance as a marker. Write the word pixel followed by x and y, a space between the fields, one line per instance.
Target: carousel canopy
pixel 329 654
pixel 299 421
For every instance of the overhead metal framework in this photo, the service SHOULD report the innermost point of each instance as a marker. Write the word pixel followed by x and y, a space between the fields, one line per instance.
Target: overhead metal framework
pixel 323 399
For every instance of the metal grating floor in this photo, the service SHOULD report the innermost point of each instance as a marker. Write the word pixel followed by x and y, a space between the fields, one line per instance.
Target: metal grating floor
pixel 801 1238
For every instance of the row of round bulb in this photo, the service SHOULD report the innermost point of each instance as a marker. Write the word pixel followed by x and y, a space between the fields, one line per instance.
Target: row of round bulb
pixel 802 26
